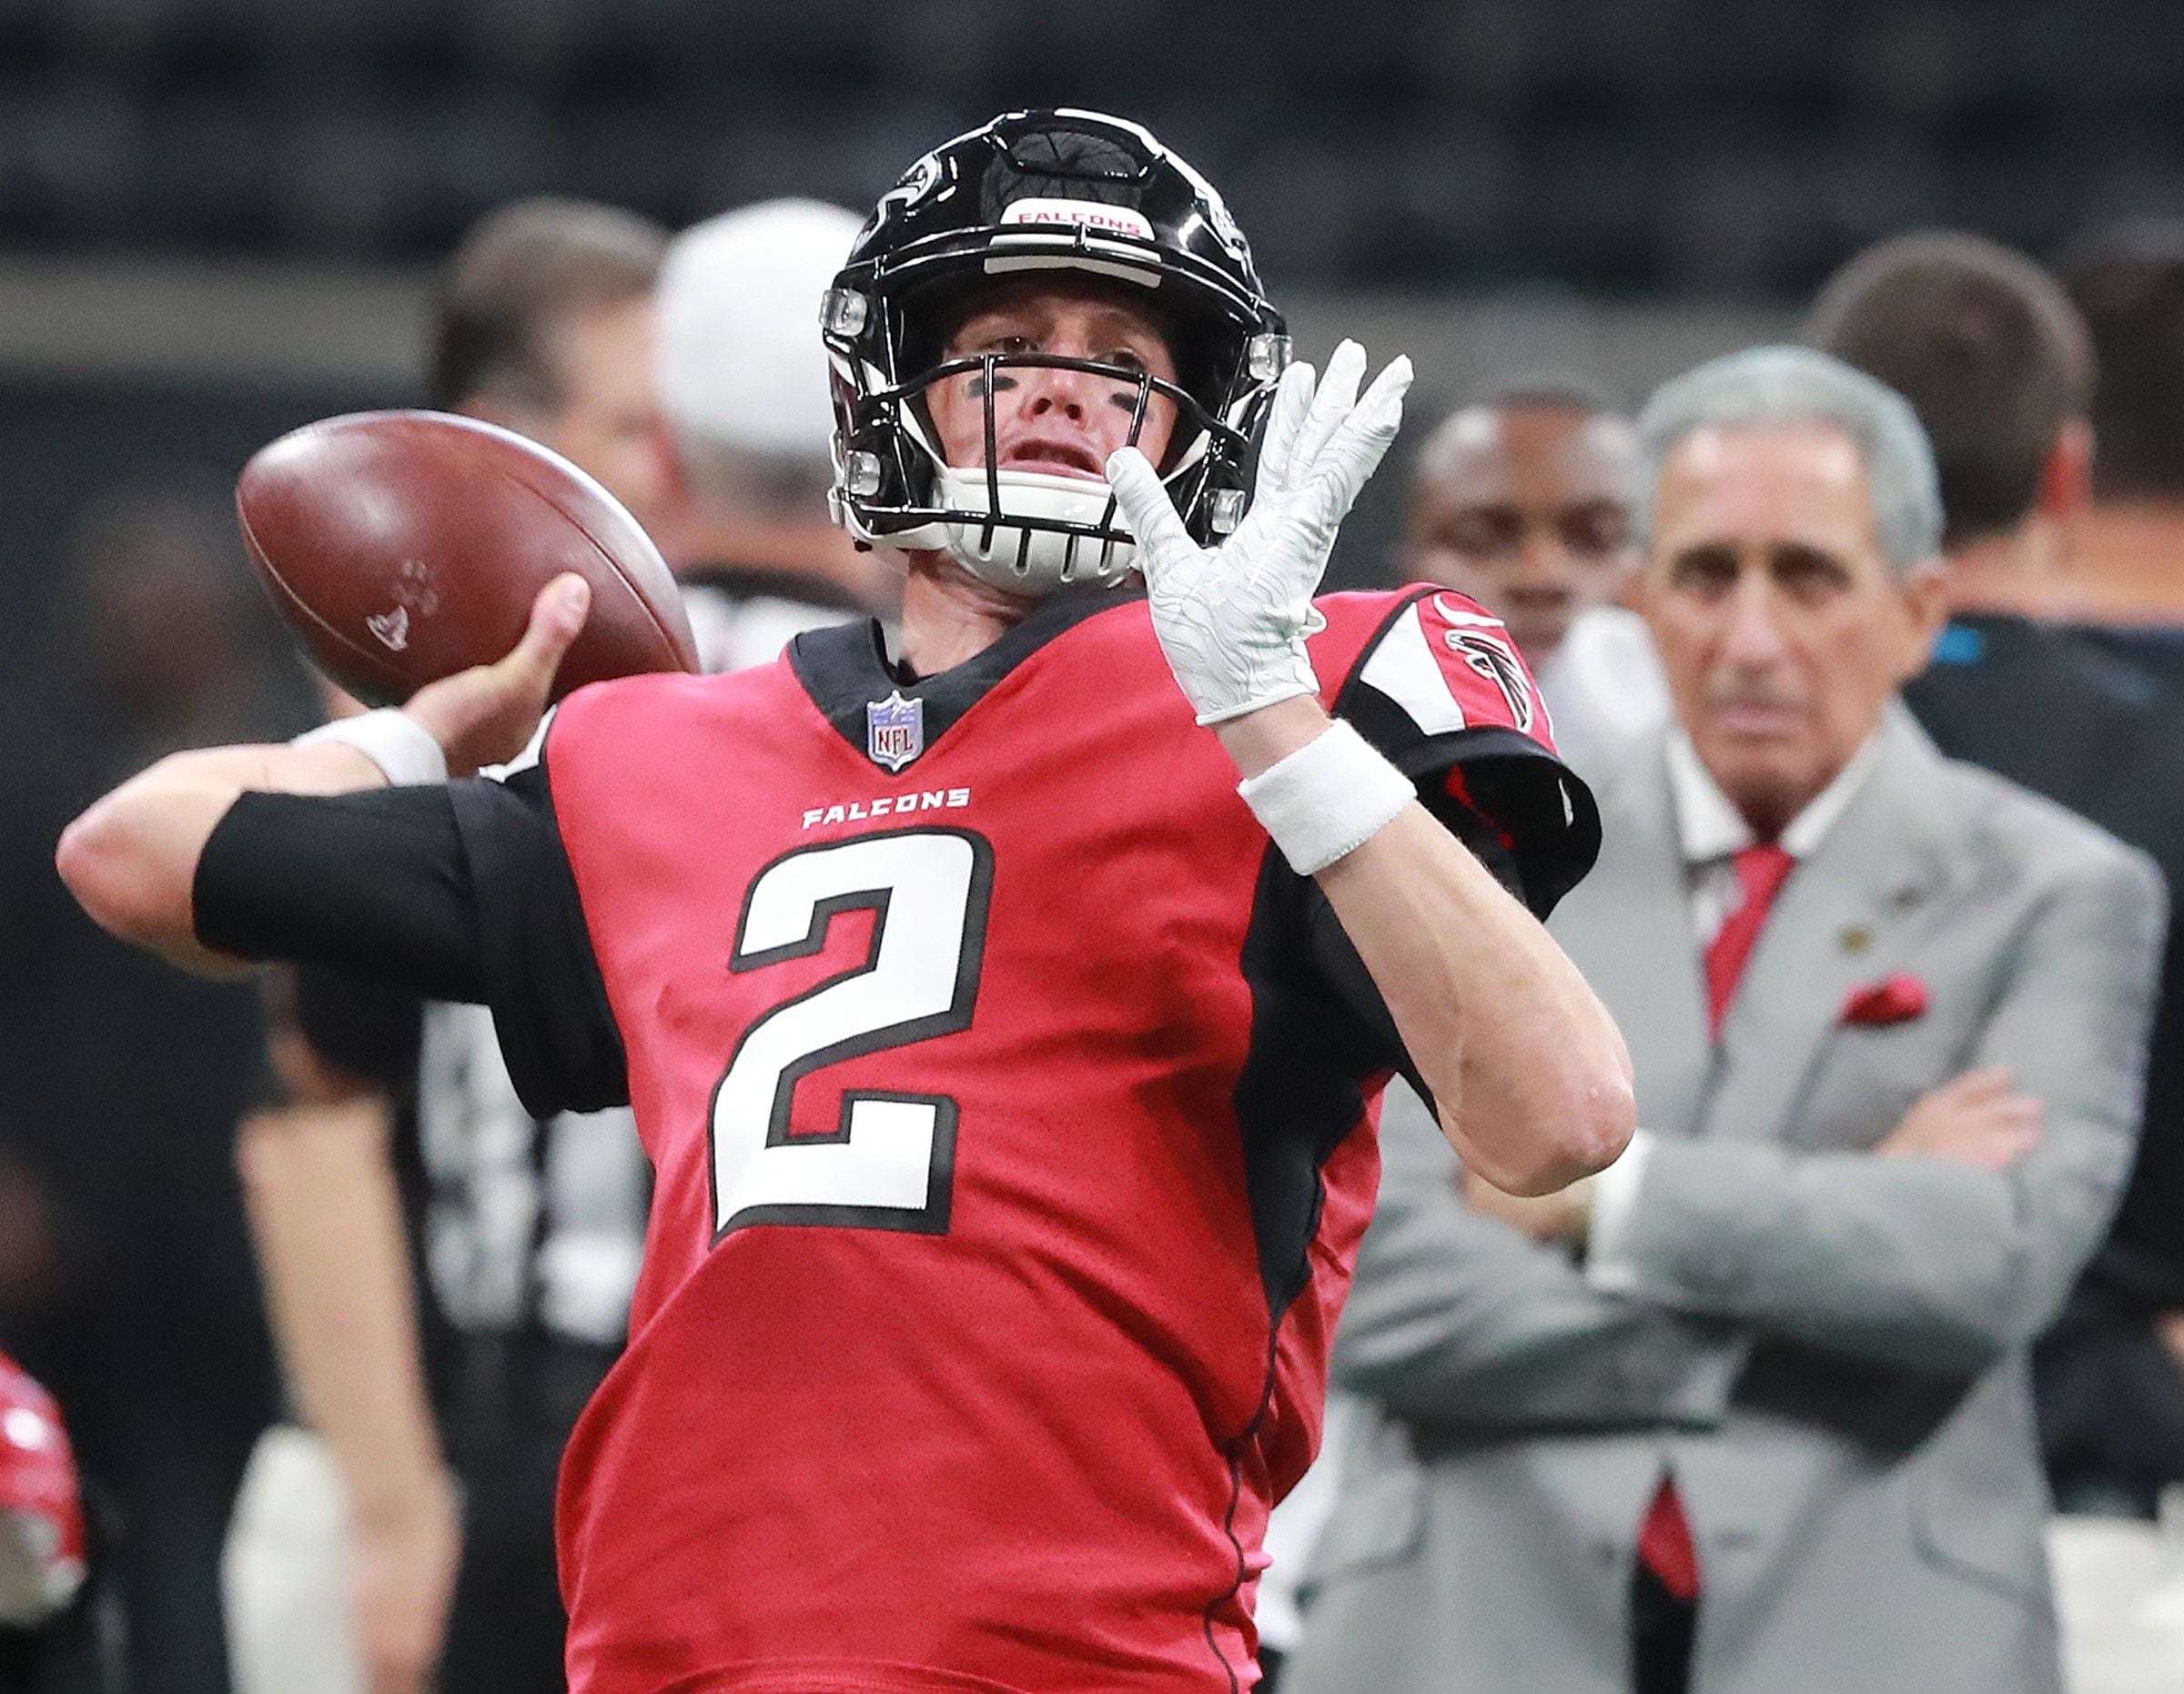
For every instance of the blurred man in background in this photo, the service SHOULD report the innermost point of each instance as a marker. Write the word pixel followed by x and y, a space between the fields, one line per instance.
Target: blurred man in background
pixel 1998 365
pixel 1521 501
pixel 2127 566
pixel 533 1230
pixel 1749 1412
pixel 743 380
pixel 530 1232
pixel 546 327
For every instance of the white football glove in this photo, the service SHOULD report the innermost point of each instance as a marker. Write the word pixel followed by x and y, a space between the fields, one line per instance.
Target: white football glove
pixel 1233 618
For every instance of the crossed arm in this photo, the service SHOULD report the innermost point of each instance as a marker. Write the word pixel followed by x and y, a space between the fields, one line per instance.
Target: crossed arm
pixel 1920 1261
pixel 1935 1264
pixel 1456 1318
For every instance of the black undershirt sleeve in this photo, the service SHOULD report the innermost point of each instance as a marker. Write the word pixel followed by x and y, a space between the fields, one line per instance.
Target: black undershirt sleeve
pixel 462 893
pixel 375 884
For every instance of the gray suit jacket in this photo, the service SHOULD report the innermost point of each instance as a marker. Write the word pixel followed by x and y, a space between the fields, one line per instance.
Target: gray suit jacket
pixel 1828 1349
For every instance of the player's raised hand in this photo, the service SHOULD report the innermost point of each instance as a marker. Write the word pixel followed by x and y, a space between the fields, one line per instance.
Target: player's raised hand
pixel 1233 618
pixel 485 715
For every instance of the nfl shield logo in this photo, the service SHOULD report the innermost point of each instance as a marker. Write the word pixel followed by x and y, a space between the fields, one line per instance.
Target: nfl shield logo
pixel 894 730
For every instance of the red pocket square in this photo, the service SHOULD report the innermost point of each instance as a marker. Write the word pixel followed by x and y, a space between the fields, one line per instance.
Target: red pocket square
pixel 1893 1000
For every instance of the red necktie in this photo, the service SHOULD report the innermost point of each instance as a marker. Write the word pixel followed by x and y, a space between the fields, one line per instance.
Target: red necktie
pixel 1664 1543
pixel 1761 870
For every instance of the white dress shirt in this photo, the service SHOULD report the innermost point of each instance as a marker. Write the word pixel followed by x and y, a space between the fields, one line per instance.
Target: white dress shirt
pixel 1711 832
pixel 1602 686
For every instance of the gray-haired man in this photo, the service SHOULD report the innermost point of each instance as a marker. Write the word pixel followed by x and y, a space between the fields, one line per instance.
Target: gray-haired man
pixel 1749 1414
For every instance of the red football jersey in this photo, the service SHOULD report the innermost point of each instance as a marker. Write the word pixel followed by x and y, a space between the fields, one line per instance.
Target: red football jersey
pixel 1010 1110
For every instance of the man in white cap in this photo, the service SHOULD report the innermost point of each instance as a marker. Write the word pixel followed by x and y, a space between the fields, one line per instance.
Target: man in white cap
pixel 744 384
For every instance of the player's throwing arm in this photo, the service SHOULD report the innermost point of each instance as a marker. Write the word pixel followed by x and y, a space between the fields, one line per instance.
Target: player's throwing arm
pixel 132 859
pixel 1529 1074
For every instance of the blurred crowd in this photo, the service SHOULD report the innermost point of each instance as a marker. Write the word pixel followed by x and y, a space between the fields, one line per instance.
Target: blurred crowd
pixel 1786 1399
pixel 1596 143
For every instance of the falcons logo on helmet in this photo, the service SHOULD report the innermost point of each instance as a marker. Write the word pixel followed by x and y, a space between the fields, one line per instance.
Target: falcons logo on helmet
pixel 1492 657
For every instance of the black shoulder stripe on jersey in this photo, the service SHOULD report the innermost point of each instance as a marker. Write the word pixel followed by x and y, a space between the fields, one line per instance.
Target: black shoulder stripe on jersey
pixel 1300 1091
pixel 845 668
pixel 557 1028
pixel 1405 598
pixel 1536 804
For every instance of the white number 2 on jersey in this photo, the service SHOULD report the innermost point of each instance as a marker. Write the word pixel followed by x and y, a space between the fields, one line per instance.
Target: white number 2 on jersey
pixel 890 1162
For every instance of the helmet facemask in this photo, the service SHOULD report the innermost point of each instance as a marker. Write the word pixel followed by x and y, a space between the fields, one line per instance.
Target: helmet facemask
pixel 1076 196
pixel 1024 530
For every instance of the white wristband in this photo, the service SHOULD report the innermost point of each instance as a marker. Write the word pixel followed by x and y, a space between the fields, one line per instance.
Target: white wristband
pixel 1327 799
pixel 394 741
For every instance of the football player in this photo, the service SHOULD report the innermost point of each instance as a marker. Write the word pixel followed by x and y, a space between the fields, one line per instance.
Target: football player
pixel 1008 1068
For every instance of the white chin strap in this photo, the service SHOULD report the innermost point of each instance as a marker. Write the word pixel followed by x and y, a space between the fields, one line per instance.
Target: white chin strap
pixel 1024 561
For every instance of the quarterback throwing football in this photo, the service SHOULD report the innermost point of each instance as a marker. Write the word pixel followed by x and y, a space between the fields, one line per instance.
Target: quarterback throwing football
pixel 1008 1071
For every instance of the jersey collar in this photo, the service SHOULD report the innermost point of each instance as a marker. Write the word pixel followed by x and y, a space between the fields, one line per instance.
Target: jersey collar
pixel 845 668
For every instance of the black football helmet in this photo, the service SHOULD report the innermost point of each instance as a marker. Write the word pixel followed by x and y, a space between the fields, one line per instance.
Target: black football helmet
pixel 1033 191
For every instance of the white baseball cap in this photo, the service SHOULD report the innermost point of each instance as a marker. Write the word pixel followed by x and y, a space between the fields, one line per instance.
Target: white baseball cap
pixel 741 363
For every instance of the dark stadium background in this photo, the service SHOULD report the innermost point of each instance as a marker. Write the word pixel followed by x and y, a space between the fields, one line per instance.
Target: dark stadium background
pixel 218 220
pixel 216 215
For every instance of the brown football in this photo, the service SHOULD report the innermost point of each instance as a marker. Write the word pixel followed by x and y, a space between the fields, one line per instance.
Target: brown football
pixel 405 546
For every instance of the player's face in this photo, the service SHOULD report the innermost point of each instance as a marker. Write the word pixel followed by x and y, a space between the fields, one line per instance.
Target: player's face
pixel 1783 630
pixel 1526 508
pixel 1060 422
pixel 610 422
